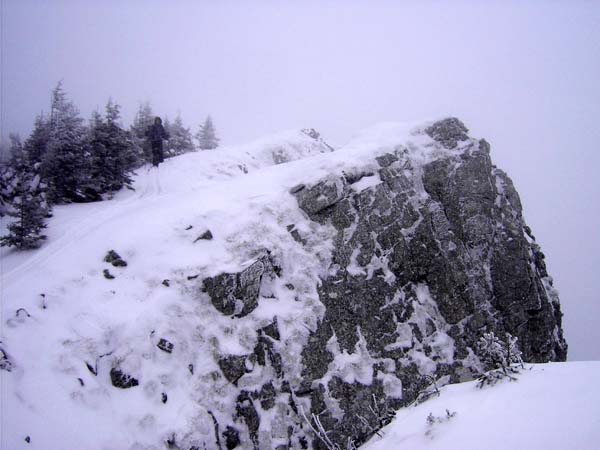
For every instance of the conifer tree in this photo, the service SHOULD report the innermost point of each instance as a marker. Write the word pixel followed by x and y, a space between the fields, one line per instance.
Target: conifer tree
pixel 26 231
pixel 65 165
pixel 167 125
pixel 142 120
pixel 26 201
pixel 20 170
pixel 112 151
pixel 206 136
pixel 37 142
pixel 180 140
pixel 7 173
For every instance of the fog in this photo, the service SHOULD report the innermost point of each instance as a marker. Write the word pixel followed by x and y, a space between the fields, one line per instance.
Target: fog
pixel 524 75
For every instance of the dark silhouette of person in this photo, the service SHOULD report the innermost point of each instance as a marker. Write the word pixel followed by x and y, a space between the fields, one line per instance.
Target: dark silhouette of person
pixel 155 134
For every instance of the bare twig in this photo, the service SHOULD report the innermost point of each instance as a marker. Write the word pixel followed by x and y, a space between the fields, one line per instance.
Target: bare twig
pixel 216 429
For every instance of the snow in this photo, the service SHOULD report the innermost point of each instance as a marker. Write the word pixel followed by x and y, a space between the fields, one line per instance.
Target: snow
pixel 350 367
pixel 366 183
pixel 553 406
pixel 77 316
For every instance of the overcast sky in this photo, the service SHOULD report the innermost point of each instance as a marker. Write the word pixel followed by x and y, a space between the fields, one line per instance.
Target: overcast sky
pixel 524 75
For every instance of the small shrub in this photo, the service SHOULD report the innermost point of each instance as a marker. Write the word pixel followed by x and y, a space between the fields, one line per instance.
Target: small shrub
pixel 501 358
pixel 432 421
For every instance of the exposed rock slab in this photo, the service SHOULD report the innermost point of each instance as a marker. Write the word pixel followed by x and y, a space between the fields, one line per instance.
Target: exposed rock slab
pixel 423 263
pixel 236 294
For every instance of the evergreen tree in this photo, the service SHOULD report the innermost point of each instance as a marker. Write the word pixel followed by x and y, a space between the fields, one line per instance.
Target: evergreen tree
pixel 25 199
pixel 99 172
pixel 65 165
pixel 492 351
pixel 9 169
pixel 142 120
pixel 26 231
pixel 496 353
pixel 37 143
pixel 206 136
pixel 112 151
pixel 180 140
pixel 167 125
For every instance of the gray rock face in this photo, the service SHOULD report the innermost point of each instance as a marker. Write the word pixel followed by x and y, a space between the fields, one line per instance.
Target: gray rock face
pixel 448 132
pixel 428 253
pixel 236 294
pixel 424 263
pixel 321 196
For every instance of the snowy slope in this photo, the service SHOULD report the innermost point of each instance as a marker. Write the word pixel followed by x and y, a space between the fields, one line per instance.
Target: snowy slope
pixel 554 406
pixel 74 315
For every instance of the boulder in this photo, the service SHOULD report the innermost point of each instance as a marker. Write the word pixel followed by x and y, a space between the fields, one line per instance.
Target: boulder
pixel 115 259
pixel 448 132
pixel 236 294
pixel 122 380
pixel 233 367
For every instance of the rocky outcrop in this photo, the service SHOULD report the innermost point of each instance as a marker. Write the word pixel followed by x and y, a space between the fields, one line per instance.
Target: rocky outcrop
pixel 236 294
pixel 448 132
pixel 425 262
pixel 429 250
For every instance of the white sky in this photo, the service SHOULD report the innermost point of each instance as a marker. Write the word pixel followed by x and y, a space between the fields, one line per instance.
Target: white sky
pixel 523 74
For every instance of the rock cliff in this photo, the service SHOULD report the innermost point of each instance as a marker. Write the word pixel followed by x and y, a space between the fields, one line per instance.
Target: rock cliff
pixel 430 250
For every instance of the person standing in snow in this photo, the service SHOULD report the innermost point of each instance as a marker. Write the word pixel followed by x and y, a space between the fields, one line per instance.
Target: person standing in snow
pixel 155 134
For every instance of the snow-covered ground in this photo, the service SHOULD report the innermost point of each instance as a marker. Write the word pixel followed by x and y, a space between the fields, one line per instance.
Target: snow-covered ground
pixel 73 315
pixel 59 312
pixel 553 406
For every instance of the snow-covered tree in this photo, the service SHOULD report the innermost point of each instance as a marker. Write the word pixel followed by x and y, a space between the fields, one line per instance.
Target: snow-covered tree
pixel 495 353
pixel 142 120
pixel 65 163
pixel 8 173
pixel 17 171
pixel 112 149
pixel 180 140
pixel 26 231
pixel 25 198
pixel 491 351
pixel 206 136
pixel 37 142
pixel 500 358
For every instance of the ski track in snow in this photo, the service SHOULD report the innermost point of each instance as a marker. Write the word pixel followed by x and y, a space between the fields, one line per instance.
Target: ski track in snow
pixel 68 229
pixel 101 213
